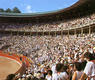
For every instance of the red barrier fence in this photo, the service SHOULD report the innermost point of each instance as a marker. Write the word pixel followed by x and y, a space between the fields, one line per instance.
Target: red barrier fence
pixel 11 56
pixel 14 58
pixel 17 58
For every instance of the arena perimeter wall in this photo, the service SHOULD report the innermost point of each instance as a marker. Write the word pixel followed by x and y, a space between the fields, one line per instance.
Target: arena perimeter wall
pixel 17 59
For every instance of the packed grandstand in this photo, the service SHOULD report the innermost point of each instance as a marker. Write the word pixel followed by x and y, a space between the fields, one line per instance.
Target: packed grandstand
pixel 51 45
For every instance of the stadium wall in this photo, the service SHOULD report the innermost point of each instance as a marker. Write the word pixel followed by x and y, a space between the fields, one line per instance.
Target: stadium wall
pixel 13 58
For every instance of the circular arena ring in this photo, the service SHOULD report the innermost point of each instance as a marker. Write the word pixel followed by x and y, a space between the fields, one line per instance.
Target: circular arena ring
pixel 9 64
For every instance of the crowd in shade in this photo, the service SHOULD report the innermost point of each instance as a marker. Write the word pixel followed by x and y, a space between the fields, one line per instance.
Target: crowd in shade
pixel 58 25
pixel 53 57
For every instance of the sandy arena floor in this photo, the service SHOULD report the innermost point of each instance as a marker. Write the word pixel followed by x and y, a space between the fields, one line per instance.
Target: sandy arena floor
pixel 7 66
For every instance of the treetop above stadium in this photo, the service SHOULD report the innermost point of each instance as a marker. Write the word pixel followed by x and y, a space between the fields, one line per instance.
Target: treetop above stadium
pixel 80 8
pixel 41 13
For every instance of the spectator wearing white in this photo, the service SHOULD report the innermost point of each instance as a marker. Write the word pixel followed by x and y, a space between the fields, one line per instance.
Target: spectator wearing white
pixel 78 71
pixel 49 75
pixel 60 75
pixel 89 71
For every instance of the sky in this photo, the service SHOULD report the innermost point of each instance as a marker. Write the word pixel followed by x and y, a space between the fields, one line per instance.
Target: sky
pixel 34 6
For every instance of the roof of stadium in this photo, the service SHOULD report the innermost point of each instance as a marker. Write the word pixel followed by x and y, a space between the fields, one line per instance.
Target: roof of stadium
pixel 80 8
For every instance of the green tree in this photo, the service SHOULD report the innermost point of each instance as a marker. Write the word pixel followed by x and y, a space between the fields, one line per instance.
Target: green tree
pixel 8 10
pixel 16 10
pixel 1 10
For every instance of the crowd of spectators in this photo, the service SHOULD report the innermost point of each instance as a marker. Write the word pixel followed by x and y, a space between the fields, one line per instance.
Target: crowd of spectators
pixel 51 54
pixel 51 26
pixel 53 57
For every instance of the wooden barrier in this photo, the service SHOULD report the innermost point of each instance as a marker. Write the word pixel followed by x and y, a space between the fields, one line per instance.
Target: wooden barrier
pixel 24 63
pixel 14 58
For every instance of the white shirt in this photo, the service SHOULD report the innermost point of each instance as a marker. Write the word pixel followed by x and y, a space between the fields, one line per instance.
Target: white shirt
pixel 90 69
pixel 48 77
pixel 53 69
pixel 79 74
pixel 60 76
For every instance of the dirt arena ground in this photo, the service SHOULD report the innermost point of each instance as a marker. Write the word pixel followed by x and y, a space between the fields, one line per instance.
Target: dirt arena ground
pixel 7 66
